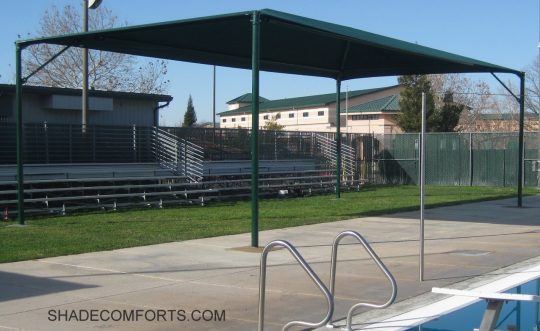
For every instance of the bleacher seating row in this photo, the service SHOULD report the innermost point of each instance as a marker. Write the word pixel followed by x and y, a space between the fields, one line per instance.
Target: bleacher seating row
pixel 60 196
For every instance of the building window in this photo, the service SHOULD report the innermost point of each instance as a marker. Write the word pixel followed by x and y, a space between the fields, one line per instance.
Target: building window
pixel 291 115
pixel 233 120
pixel 278 116
pixel 365 117
pixel 243 119
pixel 265 117
pixel 320 113
pixel 305 114
pixel 224 120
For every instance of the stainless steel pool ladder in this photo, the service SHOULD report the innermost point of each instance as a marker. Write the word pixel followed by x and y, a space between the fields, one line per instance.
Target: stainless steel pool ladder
pixel 329 294
pixel 311 274
pixel 380 264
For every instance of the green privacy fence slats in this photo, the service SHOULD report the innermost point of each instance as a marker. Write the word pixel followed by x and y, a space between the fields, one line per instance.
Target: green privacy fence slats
pixel 479 159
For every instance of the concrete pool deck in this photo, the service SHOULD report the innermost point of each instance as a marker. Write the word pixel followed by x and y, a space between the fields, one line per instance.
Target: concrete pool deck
pixel 166 283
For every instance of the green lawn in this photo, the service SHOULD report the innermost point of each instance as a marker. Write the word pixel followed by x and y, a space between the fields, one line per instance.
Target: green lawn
pixel 54 236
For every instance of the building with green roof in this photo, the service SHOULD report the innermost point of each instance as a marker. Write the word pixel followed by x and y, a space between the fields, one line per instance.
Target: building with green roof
pixel 362 111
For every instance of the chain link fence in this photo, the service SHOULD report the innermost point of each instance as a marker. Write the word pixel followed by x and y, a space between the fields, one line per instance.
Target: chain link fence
pixel 451 158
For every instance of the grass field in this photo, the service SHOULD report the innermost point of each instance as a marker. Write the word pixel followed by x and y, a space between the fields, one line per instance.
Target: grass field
pixel 54 236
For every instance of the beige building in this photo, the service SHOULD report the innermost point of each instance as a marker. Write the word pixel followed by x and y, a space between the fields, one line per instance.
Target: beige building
pixel 362 111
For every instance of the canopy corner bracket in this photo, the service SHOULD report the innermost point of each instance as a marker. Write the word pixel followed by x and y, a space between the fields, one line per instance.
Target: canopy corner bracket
pixel 25 79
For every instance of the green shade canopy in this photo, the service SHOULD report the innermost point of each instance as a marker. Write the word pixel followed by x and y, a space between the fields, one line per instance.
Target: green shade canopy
pixel 276 42
pixel 289 44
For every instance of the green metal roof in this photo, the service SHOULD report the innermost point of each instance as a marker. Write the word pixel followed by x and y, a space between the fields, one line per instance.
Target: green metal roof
pixel 318 100
pixel 289 44
pixel 245 98
pixel 388 104
pixel 46 90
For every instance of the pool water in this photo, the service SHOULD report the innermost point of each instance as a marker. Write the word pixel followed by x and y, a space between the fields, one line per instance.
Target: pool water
pixel 514 315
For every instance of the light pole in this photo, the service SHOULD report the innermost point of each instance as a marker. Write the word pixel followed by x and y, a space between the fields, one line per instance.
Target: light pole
pixel 88 4
pixel 538 62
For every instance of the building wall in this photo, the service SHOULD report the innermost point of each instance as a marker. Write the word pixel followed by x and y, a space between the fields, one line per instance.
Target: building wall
pixel 306 119
pixel 384 123
pixel 372 123
pixel 322 123
pixel 37 109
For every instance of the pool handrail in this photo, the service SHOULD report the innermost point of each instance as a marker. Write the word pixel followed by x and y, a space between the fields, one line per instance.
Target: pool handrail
pixel 380 264
pixel 307 269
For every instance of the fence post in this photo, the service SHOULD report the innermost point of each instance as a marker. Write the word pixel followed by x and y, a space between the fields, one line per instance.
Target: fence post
pixel 70 133
pixel 94 144
pixel 356 163
pixel 46 142
pixel 134 138
pixel 373 158
pixel 221 144
pixel 275 145
pixel 504 168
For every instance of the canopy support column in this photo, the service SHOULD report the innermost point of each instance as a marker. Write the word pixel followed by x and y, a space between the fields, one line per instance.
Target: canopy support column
pixel 520 138
pixel 521 101
pixel 338 138
pixel 18 101
pixel 255 59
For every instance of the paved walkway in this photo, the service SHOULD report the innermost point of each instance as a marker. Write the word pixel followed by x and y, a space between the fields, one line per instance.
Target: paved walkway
pixel 166 282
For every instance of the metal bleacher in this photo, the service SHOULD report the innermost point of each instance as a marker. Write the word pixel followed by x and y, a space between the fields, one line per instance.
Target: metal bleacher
pixel 64 188
pixel 179 174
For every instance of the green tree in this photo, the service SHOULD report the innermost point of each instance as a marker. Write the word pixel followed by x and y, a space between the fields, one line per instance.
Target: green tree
pixel 447 117
pixel 410 103
pixel 272 124
pixel 190 117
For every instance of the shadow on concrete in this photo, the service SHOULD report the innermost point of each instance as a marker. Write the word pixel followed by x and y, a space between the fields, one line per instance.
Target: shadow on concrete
pixel 18 286
pixel 503 211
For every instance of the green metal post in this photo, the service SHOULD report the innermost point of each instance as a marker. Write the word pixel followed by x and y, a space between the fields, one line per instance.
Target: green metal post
pixel 255 48
pixel 338 138
pixel 520 139
pixel 18 100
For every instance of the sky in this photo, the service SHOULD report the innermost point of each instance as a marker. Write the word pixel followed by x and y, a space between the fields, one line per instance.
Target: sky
pixel 502 32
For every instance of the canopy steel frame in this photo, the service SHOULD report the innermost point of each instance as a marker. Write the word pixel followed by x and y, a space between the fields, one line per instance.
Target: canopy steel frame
pixel 387 57
pixel 25 79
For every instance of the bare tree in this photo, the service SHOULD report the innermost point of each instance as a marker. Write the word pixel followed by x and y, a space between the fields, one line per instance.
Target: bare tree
pixel 474 95
pixel 507 110
pixel 107 71
pixel 532 89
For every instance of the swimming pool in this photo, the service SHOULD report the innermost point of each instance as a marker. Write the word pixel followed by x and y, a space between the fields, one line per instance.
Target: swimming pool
pixel 514 315
pixel 457 313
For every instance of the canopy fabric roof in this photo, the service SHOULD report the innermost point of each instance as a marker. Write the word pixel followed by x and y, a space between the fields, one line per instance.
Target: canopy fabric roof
pixel 289 44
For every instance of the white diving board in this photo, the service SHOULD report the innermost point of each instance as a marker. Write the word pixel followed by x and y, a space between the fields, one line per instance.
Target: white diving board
pixel 495 300
pixel 487 295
